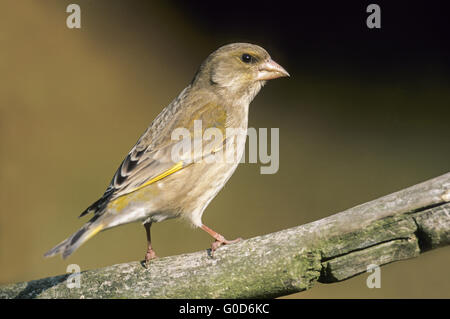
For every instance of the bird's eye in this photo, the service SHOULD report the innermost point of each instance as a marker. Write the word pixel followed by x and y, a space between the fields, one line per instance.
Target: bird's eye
pixel 247 58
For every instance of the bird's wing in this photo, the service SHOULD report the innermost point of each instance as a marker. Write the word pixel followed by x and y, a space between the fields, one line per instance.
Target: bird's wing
pixel 150 159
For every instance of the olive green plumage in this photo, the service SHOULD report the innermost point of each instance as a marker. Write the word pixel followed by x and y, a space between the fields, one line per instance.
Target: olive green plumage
pixel 149 186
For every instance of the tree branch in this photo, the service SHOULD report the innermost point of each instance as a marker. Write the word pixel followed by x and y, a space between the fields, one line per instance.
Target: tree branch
pixel 392 228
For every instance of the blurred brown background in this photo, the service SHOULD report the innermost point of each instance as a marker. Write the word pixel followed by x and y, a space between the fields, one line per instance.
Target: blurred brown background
pixel 364 114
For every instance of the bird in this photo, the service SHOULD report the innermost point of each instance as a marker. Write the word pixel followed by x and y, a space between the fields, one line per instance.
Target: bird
pixel 151 184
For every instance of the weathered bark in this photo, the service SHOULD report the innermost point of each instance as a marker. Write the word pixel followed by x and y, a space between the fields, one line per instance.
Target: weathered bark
pixel 395 227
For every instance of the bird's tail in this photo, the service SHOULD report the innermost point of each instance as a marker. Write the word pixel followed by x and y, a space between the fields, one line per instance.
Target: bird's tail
pixel 68 246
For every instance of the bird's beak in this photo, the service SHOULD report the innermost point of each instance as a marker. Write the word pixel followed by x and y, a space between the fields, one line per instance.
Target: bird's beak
pixel 271 70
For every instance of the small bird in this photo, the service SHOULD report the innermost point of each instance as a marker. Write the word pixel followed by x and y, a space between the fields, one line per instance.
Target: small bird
pixel 150 186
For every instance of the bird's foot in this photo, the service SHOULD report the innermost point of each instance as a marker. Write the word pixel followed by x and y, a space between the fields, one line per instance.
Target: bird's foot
pixel 219 239
pixel 222 241
pixel 149 256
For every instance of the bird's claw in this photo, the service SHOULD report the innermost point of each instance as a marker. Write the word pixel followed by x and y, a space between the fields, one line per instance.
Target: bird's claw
pixel 217 243
pixel 149 256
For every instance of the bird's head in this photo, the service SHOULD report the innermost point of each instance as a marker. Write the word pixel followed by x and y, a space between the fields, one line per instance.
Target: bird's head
pixel 239 69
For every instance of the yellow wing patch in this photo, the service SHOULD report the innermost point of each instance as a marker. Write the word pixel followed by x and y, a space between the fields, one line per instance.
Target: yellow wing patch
pixel 170 171
pixel 123 200
pixel 93 232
